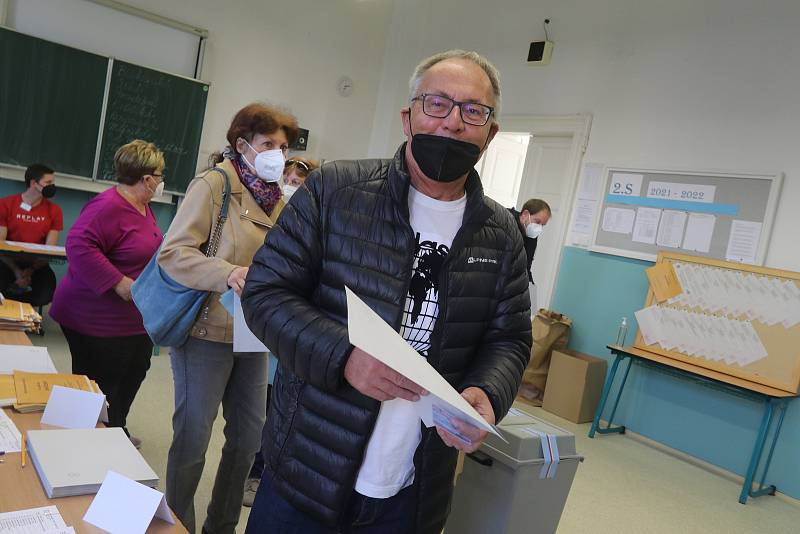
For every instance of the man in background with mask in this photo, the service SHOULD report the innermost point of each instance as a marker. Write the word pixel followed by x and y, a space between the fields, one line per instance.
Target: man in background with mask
pixel 417 240
pixel 531 221
pixel 30 217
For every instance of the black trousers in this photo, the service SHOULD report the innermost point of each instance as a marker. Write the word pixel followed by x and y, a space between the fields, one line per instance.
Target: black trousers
pixel 118 365
pixel 258 463
pixel 43 285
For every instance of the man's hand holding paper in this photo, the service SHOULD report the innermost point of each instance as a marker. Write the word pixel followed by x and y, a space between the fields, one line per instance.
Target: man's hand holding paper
pixel 402 370
pixel 377 380
pixel 460 434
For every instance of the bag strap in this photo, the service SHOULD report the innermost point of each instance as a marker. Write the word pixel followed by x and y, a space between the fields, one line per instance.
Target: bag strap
pixel 216 231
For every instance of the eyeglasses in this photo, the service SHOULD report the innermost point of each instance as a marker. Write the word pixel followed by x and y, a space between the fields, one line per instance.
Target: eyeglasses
pixel 440 106
pixel 302 164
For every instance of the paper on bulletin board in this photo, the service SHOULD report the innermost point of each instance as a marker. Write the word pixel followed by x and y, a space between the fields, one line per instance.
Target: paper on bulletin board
pixel 618 220
pixel 670 230
pixel 625 184
pixel 743 241
pixel 663 281
pixel 699 231
pixel 646 226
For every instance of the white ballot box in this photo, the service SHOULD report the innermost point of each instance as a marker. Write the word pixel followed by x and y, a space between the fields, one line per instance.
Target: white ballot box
pixel 516 487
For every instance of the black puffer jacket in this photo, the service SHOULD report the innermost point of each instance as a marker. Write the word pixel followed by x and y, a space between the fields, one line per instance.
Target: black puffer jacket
pixel 349 225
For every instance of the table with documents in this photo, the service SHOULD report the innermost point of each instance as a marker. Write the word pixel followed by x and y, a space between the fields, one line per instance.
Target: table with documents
pixel 20 487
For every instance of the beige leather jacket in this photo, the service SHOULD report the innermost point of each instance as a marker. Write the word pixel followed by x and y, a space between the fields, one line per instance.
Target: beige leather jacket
pixel 182 254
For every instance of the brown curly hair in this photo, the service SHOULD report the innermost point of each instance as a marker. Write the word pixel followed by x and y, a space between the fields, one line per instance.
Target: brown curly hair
pixel 258 118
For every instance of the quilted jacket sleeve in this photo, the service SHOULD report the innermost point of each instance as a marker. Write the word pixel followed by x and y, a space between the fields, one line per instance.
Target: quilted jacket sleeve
pixel 277 296
pixel 506 348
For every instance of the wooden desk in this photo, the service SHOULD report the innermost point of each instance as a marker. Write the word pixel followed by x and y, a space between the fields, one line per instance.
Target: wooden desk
pixel 23 249
pixel 20 487
pixel 774 401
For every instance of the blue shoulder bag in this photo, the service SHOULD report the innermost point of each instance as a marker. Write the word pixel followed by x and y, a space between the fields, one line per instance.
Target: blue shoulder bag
pixel 169 309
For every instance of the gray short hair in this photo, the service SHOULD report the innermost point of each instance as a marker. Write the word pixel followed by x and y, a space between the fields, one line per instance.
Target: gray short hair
pixel 482 62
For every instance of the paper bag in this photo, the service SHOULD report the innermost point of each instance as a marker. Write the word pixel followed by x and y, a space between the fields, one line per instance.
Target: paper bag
pixel 550 331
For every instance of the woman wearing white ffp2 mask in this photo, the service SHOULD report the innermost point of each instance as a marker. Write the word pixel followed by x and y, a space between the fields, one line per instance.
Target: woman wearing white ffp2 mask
pixel 267 164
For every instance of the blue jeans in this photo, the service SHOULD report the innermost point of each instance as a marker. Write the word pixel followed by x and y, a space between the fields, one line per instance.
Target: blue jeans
pixel 365 515
pixel 206 374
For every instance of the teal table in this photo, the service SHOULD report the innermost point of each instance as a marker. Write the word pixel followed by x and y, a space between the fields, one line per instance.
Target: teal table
pixel 774 403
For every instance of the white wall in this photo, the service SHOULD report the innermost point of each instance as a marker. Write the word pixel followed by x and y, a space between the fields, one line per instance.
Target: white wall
pixel 705 85
pixel 96 28
pixel 291 54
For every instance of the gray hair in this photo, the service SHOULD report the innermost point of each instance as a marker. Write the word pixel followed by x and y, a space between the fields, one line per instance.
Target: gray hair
pixel 479 60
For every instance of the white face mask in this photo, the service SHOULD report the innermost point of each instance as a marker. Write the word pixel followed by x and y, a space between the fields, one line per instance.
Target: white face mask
pixel 533 230
pixel 159 191
pixel 268 165
pixel 289 190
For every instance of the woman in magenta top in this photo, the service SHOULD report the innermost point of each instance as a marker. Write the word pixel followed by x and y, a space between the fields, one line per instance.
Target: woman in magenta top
pixel 110 243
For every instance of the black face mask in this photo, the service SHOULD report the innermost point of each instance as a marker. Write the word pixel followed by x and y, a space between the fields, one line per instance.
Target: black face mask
pixel 443 159
pixel 49 191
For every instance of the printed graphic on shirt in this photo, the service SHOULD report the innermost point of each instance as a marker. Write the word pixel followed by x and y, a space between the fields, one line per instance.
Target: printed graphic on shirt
pixel 422 306
pixel 35 219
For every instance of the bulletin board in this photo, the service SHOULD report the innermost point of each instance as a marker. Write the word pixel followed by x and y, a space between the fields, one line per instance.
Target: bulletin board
pixel 715 215
pixel 779 334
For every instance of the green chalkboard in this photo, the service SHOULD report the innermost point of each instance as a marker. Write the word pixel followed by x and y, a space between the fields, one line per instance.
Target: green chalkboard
pixel 51 98
pixel 162 108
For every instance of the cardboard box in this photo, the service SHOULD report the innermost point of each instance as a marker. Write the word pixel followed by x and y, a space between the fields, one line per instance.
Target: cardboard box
pixel 574 385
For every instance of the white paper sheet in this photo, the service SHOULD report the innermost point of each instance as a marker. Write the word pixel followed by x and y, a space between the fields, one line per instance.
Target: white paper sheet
pixel 583 218
pixel 243 338
pixel 649 324
pixel 682 192
pixel 618 220
pixel 73 408
pixel 715 338
pixel 371 334
pixel 124 506
pixel 591 182
pixel 670 231
pixel 646 225
pixel 25 358
pixel 43 520
pixel 10 438
pixel 625 184
pixel 699 231
pixel 743 241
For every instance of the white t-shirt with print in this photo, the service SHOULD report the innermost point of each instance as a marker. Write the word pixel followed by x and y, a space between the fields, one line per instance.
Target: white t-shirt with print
pixel 388 465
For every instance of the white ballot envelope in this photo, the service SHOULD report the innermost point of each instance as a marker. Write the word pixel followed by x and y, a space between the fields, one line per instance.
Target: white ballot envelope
pixel 73 408
pixel 371 334
pixel 124 506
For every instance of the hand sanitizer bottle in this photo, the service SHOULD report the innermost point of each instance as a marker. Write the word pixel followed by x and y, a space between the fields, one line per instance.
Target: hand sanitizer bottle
pixel 622 333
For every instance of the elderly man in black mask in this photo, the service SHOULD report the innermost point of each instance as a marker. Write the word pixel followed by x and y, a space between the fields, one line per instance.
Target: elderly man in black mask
pixel 417 240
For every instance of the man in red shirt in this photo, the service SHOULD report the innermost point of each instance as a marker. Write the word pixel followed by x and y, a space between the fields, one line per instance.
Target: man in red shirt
pixel 31 218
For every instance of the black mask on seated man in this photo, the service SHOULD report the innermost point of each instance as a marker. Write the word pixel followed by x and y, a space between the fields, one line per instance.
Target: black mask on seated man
pixel 443 159
pixel 49 191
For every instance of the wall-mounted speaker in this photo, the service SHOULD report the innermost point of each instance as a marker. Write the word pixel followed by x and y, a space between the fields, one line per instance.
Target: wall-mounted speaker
pixel 302 140
pixel 540 52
